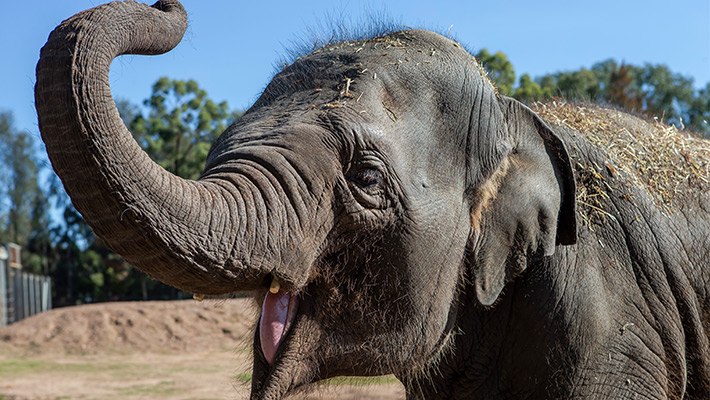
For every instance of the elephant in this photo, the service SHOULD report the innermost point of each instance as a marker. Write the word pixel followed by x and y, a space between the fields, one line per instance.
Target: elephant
pixel 392 213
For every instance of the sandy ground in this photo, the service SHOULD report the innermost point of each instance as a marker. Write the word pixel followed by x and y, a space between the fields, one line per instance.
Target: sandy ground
pixel 146 350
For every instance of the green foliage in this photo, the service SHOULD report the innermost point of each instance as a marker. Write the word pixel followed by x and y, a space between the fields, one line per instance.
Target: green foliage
pixel 181 125
pixel 582 84
pixel 24 206
pixel 699 112
pixel 529 90
pixel 499 69
pixel 19 183
pixel 649 89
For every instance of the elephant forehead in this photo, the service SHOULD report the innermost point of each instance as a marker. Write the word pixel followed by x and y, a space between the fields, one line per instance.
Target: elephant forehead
pixel 414 44
pixel 405 60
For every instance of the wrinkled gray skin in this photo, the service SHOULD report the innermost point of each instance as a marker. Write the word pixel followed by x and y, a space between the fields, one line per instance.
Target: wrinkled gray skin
pixel 426 223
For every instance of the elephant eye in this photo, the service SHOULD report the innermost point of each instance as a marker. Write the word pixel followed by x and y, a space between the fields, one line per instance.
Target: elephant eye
pixel 366 178
pixel 367 184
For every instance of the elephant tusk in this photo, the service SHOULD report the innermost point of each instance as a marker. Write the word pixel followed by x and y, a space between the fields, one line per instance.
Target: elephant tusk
pixel 275 286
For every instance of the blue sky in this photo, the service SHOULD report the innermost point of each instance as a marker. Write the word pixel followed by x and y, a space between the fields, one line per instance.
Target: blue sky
pixel 232 46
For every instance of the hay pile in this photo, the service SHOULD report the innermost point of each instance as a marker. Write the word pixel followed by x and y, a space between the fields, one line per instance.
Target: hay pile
pixel 673 166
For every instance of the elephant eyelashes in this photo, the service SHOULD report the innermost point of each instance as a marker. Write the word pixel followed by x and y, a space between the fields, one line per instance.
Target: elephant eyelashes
pixel 367 186
pixel 366 178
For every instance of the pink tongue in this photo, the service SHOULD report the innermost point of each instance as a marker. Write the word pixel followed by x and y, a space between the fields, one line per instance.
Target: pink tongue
pixel 277 314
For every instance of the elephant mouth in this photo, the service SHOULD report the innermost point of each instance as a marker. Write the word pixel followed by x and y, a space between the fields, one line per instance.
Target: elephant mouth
pixel 277 315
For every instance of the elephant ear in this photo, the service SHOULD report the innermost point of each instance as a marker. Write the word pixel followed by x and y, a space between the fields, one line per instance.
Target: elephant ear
pixel 526 207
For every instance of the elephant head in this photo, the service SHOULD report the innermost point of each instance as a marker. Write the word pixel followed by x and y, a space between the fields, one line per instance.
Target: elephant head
pixel 370 187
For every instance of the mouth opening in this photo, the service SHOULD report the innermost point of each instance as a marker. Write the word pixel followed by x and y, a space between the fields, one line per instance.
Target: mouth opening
pixel 277 315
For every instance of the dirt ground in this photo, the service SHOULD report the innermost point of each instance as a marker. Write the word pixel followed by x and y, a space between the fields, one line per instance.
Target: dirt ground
pixel 147 350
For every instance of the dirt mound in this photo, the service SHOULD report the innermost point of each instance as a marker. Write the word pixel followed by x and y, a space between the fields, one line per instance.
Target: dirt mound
pixel 147 350
pixel 153 326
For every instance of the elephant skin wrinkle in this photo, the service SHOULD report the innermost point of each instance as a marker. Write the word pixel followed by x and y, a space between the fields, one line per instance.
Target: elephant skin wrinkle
pixel 417 222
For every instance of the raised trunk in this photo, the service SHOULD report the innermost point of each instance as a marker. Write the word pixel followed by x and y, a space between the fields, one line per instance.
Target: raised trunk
pixel 181 232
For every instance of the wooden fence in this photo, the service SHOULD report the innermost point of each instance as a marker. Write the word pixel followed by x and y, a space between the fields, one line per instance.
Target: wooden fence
pixel 22 294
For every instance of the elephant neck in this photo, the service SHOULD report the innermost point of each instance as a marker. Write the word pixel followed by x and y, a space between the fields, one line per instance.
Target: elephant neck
pixel 499 352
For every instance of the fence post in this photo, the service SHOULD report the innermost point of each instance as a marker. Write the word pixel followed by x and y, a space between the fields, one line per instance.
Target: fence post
pixel 49 293
pixel 45 294
pixel 16 295
pixel 30 295
pixel 38 295
pixel 35 294
pixel 3 289
pixel 26 297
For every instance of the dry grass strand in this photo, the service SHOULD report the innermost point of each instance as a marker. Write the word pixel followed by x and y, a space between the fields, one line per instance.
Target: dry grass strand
pixel 673 166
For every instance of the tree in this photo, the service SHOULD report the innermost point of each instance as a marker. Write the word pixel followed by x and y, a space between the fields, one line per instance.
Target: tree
pixel 499 69
pixel 20 188
pixel 603 71
pixel 583 84
pixel 699 111
pixel 621 91
pixel 528 90
pixel 549 86
pixel 24 206
pixel 40 255
pixel 668 94
pixel 181 125
pixel 649 89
